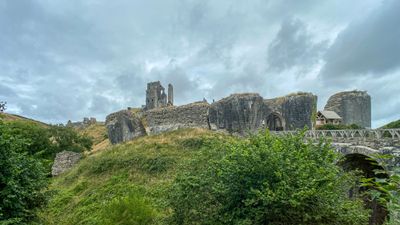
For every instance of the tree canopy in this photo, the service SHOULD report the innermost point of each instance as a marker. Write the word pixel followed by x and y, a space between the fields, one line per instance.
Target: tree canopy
pixel 266 180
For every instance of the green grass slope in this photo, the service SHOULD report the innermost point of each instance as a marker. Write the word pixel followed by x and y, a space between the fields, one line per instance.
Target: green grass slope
pixel 124 184
pixel 14 117
pixel 392 125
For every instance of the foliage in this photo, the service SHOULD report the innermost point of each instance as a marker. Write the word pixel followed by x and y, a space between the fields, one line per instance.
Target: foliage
pixel 133 209
pixel 27 151
pixel 392 125
pixel 338 127
pixel 3 106
pixel 265 180
pixel 386 191
pixel 67 139
pixel 129 180
pixel 21 177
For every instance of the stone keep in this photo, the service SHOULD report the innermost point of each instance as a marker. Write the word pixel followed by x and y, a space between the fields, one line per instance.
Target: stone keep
pixel 353 106
pixel 156 97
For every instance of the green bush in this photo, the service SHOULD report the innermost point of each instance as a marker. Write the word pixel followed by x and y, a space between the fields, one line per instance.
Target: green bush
pixel 67 139
pixel 265 180
pixel 339 127
pixel 27 151
pixel 22 177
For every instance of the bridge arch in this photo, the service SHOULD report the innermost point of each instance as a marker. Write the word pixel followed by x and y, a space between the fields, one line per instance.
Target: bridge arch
pixel 275 122
pixel 367 166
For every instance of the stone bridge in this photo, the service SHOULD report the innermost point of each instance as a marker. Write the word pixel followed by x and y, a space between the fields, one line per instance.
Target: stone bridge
pixel 365 150
pixel 365 143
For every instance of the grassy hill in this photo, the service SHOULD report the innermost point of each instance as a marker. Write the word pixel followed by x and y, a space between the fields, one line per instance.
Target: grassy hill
pixel 130 178
pixel 13 117
pixel 98 133
pixel 392 125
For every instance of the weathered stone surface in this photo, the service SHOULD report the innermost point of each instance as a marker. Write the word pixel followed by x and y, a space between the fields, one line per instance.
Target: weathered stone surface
pixel 241 113
pixel 298 110
pixel 64 161
pixel 353 106
pixel 173 118
pixel 238 113
pixel 124 126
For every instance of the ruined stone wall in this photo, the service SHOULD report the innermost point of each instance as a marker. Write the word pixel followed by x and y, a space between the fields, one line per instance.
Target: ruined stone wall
pixel 173 118
pixel 124 125
pixel 64 161
pixel 238 113
pixel 353 106
pixel 298 110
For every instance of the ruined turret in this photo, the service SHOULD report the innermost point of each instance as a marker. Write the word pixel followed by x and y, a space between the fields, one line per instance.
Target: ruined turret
pixel 353 106
pixel 170 94
pixel 155 96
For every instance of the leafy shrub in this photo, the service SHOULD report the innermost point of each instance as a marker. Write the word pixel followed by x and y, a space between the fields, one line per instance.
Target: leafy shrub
pixel 266 180
pixel 21 177
pixel 386 189
pixel 339 127
pixel 27 151
pixel 67 139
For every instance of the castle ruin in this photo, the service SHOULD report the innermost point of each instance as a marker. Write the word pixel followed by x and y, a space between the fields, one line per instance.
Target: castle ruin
pixel 156 97
pixel 236 114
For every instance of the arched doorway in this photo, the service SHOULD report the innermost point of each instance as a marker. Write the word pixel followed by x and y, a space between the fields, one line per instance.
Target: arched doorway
pixel 275 122
pixel 367 166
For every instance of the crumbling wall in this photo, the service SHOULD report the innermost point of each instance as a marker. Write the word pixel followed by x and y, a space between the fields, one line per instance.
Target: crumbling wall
pixel 299 110
pixel 353 106
pixel 238 113
pixel 173 118
pixel 124 125
pixel 64 161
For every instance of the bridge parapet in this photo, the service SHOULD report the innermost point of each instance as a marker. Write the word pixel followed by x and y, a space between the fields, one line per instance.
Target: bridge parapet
pixel 361 133
pixel 374 138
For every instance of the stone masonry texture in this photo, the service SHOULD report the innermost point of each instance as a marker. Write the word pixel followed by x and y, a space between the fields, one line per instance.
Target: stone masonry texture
pixel 353 106
pixel 64 161
pixel 124 125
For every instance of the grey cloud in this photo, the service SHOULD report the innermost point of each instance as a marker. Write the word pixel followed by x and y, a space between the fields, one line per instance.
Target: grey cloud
pixel 294 46
pixel 6 92
pixel 68 59
pixel 101 105
pixel 366 48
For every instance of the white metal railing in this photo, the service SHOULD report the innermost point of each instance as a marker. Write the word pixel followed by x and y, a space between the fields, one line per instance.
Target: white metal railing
pixel 347 134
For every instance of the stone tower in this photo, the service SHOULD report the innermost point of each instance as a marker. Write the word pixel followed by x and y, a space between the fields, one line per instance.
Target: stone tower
pixel 170 94
pixel 353 106
pixel 155 95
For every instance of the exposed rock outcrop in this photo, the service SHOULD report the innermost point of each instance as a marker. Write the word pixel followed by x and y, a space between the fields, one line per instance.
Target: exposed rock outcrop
pixel 353 106
pixel 64 161
pixel 124 125
pixel 173 118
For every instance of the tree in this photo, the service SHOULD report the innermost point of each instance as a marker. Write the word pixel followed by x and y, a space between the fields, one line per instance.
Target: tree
pixel 3 106
pixel 27 151
pixel 266 180
pixel 22 178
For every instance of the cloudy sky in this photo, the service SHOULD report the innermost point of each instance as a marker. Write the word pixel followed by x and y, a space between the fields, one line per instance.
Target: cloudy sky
pixel 68 59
